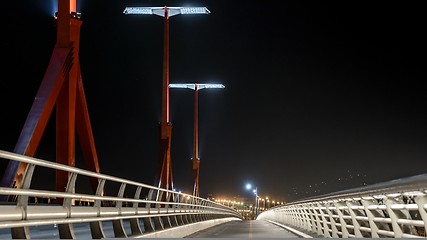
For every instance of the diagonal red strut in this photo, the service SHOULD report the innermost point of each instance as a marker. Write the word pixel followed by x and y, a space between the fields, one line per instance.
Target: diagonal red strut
pixel 62 88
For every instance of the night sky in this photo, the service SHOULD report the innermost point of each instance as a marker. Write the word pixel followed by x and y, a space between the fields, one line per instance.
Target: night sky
pixel 319 96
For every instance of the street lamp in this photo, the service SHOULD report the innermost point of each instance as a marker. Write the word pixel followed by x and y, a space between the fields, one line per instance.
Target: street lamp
pixel 255 191
pixel 196 160
pixel 165 177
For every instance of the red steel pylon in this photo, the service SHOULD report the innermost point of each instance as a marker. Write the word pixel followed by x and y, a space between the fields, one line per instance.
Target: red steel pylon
pixel 62 87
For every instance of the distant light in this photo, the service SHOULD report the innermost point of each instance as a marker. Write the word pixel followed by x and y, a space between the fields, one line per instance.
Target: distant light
pixel 248 186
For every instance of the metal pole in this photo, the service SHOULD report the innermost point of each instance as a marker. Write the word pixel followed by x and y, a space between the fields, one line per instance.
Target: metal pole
pixel 196 161
pixel 165 178
pixel 165 85
pixel 195 155
pixel 256 202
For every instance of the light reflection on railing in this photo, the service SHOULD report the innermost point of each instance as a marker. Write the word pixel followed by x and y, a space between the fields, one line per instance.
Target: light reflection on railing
pixel 158 209
pixel 392 209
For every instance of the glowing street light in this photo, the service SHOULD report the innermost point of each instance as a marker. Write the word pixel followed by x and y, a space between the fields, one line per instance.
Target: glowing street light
pixel 166 11
pixel 255 191
pixel 165 177
pixel 196 160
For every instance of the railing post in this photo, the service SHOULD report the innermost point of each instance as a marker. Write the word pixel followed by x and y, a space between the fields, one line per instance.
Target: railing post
pixel 166 219
pixel 192 209
pixel 24 232
pixel 356 225
pixel 203 215
pixel 307 217
pixel 158 223
pixel 324 221
pixel 119 230
pixel 421 202
pixel 398 229
pixel 372 225
pixel 172 209
pixel 66 230
pixel 344 230
pixel 302 221
pixel 291 217
pixel 332 220
pixel 282 215
pixel 312 219
pixel 196 209
pixel 316 219
pixel 178 208
pixel 134 222
pixel 96 227
pixel 148 221
pixel 185 216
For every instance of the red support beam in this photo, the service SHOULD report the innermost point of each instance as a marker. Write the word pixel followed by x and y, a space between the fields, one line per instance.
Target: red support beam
pixel 85 134
pixel 61 87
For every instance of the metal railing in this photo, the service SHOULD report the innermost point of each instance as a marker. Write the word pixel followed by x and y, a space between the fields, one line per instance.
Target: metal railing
pixel 160 208
pixel 391 209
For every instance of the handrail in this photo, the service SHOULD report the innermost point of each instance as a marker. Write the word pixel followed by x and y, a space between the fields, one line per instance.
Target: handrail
pixel 395 208
pixel 159 210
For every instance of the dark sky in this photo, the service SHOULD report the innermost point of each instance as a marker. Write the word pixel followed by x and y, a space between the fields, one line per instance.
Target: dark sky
pixel 319 97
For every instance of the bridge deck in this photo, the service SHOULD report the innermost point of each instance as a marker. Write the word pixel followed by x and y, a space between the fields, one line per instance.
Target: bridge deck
pixel 245 229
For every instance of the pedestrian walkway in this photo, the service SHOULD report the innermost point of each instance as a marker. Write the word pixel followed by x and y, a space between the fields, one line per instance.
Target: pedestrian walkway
pixel 245 229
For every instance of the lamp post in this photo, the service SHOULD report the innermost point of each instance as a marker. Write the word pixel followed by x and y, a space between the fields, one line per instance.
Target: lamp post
pixel 255 191
pixel 165 178
pixel 267 202
pixel 196 160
